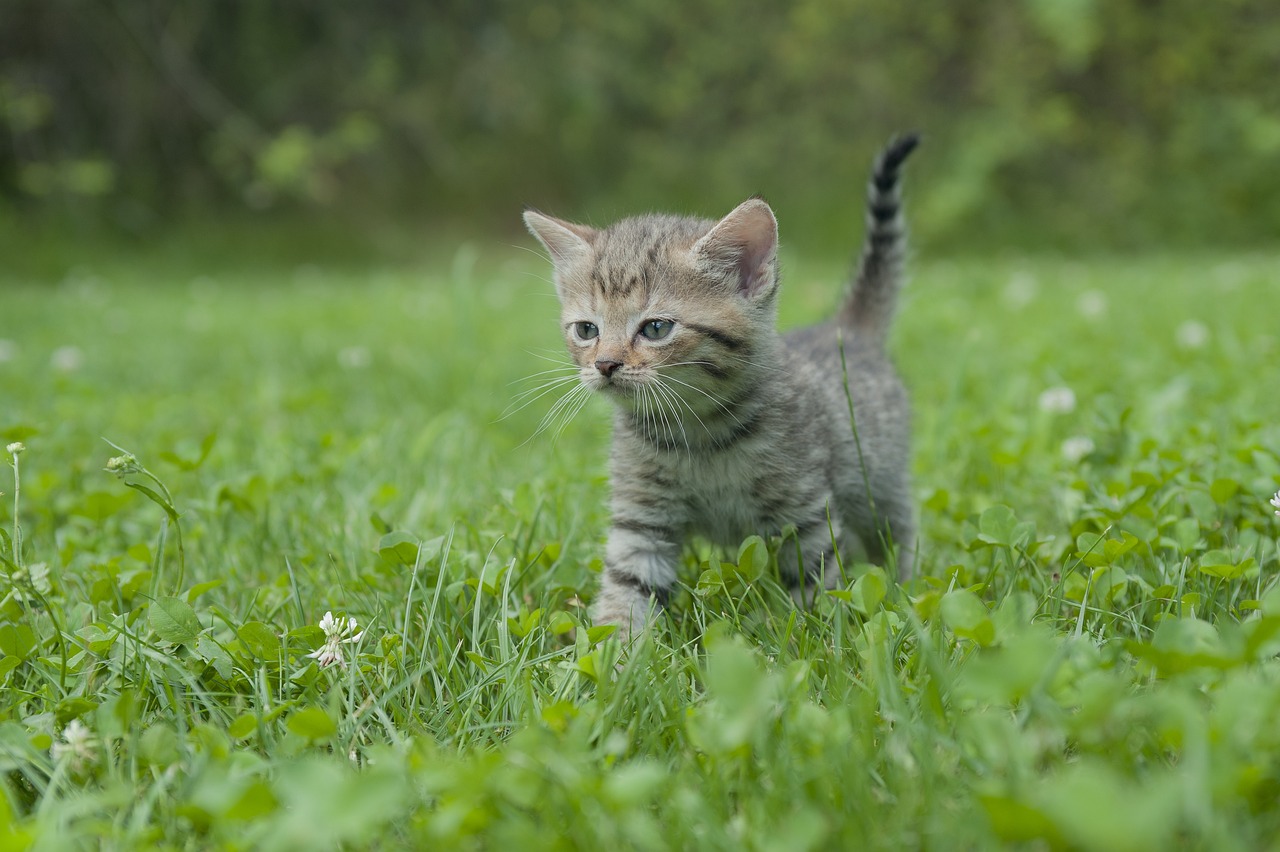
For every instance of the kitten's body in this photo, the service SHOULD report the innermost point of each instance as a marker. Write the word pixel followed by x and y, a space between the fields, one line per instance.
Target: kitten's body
pixel 724 428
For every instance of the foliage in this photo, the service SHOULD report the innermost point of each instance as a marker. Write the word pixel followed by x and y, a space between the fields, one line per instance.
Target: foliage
pixel 1089 660
pixel 1047 121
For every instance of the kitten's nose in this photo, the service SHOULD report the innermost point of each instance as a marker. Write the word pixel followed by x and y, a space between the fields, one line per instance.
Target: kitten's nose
pixel 606 368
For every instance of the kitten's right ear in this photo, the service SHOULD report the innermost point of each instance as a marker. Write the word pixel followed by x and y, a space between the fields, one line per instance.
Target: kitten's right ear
pixel 743 247
pixel 566 242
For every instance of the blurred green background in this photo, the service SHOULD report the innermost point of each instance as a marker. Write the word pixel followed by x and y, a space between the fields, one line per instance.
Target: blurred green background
pixel 1050 124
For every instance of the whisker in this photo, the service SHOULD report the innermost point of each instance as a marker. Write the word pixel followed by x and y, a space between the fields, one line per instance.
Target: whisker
pixel 709 396
pixel 548 357
pixel 777 368
pixel 570 413
pixel 682 401
pixel 527 398
pixel 560 406
pixel 563 369
pixel 739 359
pixel 667 394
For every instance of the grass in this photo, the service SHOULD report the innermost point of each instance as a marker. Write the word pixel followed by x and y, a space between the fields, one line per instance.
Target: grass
pixel 1087 662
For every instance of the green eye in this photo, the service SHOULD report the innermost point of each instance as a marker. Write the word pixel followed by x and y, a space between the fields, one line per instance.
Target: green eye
pixel 586 330
pixel 657 329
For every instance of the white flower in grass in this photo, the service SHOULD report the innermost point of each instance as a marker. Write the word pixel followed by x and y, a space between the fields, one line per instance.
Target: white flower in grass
pixel 1074 449
pixel 1092 304
pixel 78 744
pixel 1275 501
pixel 1192 334
pixel 336 634
pixel 354 357
pixel 1060 400
pixel 67 358
pixel 15 448
pixel 1021 290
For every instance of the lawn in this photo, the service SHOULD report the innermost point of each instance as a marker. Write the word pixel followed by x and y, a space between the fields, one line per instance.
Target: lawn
pixel 1089 658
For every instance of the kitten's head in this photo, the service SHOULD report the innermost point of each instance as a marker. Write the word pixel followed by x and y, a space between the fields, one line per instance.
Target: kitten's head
pixel 675 302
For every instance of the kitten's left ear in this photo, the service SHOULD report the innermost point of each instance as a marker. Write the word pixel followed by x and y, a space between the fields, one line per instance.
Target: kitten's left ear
pixel 564 241
pixel 743 246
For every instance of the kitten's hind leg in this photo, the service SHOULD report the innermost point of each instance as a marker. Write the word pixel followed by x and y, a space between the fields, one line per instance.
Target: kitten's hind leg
pixel 890 540
pixel 814 548
pixel 640 572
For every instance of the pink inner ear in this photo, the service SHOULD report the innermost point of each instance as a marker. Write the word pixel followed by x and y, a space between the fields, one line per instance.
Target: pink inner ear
pixel 747 238
pixel 753 269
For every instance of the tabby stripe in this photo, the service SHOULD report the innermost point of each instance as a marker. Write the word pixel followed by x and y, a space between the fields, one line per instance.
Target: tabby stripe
pixel 807 528
pixel 636 526
pixel 631 581
pixel 728 341
pixel 741 431
pixel 653 253
pixel 643 498
pixel 714 370
pixel 883 211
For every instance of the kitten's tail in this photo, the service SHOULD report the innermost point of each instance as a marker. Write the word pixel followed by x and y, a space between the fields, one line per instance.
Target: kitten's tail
pixel 869 306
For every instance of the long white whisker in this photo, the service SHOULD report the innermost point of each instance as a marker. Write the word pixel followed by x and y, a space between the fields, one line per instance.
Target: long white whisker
pixel 564 368
pixel 667 394
pixel 738 358
pixel 552 355
pixel 520 402
pixel 709 396
pixel 649 421
pixel 561 404
pixel 682 401
pixel 569 413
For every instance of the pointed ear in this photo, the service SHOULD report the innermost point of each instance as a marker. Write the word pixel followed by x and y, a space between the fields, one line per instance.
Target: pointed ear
pixel 565 241
pixel 743 247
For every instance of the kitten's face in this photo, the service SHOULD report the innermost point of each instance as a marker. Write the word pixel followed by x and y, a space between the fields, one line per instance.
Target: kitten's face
pixel 663 308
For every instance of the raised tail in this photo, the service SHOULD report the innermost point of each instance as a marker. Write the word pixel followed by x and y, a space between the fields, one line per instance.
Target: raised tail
pixel 871 301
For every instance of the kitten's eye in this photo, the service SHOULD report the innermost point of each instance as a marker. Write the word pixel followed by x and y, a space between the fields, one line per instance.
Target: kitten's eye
pixel 657 329
pixel 586 330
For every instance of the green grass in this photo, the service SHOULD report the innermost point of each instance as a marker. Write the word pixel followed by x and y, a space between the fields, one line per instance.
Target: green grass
pixel 1089 659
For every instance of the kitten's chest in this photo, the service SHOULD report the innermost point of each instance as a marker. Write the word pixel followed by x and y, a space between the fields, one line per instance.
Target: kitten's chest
pixel 727 498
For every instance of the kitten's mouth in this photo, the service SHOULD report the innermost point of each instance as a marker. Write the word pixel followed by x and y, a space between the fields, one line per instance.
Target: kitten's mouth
pixel 616 385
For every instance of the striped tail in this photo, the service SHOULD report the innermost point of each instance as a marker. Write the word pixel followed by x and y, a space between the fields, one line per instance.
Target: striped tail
pixel 874 295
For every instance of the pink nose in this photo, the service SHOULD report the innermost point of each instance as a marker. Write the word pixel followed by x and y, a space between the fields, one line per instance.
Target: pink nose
pixel 606 368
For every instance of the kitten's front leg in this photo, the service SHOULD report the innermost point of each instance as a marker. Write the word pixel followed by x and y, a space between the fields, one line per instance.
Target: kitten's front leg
pixel 808 561
pixel 640 571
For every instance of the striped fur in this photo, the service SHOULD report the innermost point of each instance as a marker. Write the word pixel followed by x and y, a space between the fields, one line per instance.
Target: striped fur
pixel 722 427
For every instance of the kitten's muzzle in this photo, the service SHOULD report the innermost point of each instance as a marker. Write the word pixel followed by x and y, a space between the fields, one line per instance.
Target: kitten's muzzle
pixel 607 368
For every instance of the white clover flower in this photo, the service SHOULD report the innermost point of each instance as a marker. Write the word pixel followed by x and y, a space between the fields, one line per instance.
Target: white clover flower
pixel 1059 400
pixel 336 634
pixel 354 357
pixel 1021 290
pixel 79 745
pixel 1192 334
pixel 1076 448
pixel 15 448
pixel 1275 501
pixel 1092 304
pixel 67 358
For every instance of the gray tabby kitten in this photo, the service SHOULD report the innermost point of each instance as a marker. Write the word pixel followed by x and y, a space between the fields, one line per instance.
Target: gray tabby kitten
pixel 724 428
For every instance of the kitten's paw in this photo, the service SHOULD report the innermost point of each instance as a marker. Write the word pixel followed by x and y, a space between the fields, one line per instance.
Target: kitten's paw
pixel 630 616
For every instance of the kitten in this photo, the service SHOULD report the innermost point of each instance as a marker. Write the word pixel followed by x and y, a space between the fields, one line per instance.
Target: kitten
pixel 723 428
